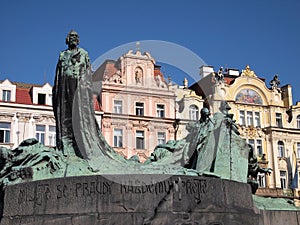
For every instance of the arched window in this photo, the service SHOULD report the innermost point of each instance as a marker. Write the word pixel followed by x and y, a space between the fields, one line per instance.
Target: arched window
pixel 194 112
pixel 280 145
pixel 298 121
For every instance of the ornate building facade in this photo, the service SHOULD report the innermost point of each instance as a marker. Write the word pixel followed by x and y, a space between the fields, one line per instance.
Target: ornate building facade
pixel 26 112
pixel 188 107
pixel 267 119
pixel 138 104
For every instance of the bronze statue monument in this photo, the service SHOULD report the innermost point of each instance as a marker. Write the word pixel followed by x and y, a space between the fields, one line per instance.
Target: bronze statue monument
pixel 200 179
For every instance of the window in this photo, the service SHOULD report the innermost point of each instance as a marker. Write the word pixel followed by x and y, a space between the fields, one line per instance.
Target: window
pixel 256 119
pixel 298 121
pixel 4 132
pixel 242 118
pixel 249 118
pixel 6 95
pixel 118 106
pixel 283 179
pixel 40 133
pixel 139 108
pixel 52 135
pixel 42 99
pixel 161 138
pixel 278 120
pixel 252 142
pixel 160 110
pixel 118 138
pixel 280 149
pixel 140 140
pixel 298 149
pixel 194 112
pixel 259 147
pixel 261 179
pixel 253 118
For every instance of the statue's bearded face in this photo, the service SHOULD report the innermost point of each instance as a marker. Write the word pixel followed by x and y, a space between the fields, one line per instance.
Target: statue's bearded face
pixel 73 39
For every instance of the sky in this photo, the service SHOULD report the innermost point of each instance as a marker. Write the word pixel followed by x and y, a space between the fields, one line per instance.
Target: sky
pixel 230 33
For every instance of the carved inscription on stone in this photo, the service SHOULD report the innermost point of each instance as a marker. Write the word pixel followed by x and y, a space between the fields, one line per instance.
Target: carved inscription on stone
pixel 42 193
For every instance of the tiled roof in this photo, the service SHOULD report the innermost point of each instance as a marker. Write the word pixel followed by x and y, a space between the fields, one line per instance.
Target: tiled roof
pixel 97 105
pixel 26 85
pixel 110 69
pixel 23 96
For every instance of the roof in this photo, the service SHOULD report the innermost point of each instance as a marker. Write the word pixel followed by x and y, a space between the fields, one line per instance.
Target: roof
pixel 110 67
pixel 203 86
pixel 24 94
pixel 26 85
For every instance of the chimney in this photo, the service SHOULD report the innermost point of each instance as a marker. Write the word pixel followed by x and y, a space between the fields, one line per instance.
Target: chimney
pixel 206 70
pixel 287 96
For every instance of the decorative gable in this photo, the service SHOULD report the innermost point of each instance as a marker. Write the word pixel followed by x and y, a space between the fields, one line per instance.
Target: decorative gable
pixel 42 95
pixel 7 91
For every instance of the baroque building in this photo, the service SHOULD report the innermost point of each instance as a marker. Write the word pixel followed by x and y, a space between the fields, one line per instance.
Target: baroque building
pixel 26 112
pixel 267 120
pixel 138 104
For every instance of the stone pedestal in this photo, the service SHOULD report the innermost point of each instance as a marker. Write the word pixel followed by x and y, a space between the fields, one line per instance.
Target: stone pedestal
pixel 130 199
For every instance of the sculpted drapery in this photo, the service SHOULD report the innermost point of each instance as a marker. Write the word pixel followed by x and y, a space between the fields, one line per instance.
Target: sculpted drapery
pixel 77 131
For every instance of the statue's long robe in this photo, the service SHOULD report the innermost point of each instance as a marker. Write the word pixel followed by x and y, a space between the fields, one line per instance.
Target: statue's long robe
pixel 77 130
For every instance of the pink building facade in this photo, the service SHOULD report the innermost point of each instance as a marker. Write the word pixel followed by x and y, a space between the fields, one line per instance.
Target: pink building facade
pixel 138 104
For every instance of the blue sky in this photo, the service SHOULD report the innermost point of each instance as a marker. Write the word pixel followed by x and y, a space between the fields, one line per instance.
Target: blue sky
pixel 264 34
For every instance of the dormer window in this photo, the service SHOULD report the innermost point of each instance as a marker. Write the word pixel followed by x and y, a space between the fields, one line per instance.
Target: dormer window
pixel 7 91
pixel 42 95
pixel 42 99
pixel 6 95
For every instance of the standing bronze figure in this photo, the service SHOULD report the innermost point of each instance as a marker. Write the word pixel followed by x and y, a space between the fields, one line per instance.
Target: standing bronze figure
pixel 77 131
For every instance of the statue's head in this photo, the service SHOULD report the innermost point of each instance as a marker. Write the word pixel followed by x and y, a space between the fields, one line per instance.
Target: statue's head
pixel 224 106
pixel 205 112
pixel 72 38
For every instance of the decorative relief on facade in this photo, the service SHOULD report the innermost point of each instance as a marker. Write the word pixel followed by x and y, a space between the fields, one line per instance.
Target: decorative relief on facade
pixel 6 116
pixel 140 124
pixel 129 126
pixel 249 96
pixel 251 132
pixel 160 127
pixel 247 72
pixel 44 118
pixel 151 128
pixel 24 117
pixel 282 164
pixel 117 78
pixel 106 123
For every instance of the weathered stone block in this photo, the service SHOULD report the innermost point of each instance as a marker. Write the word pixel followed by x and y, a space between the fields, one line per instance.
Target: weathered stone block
pixel 134 200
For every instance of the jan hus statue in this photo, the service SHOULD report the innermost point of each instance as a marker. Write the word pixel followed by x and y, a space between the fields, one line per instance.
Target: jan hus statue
pixel 77 131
